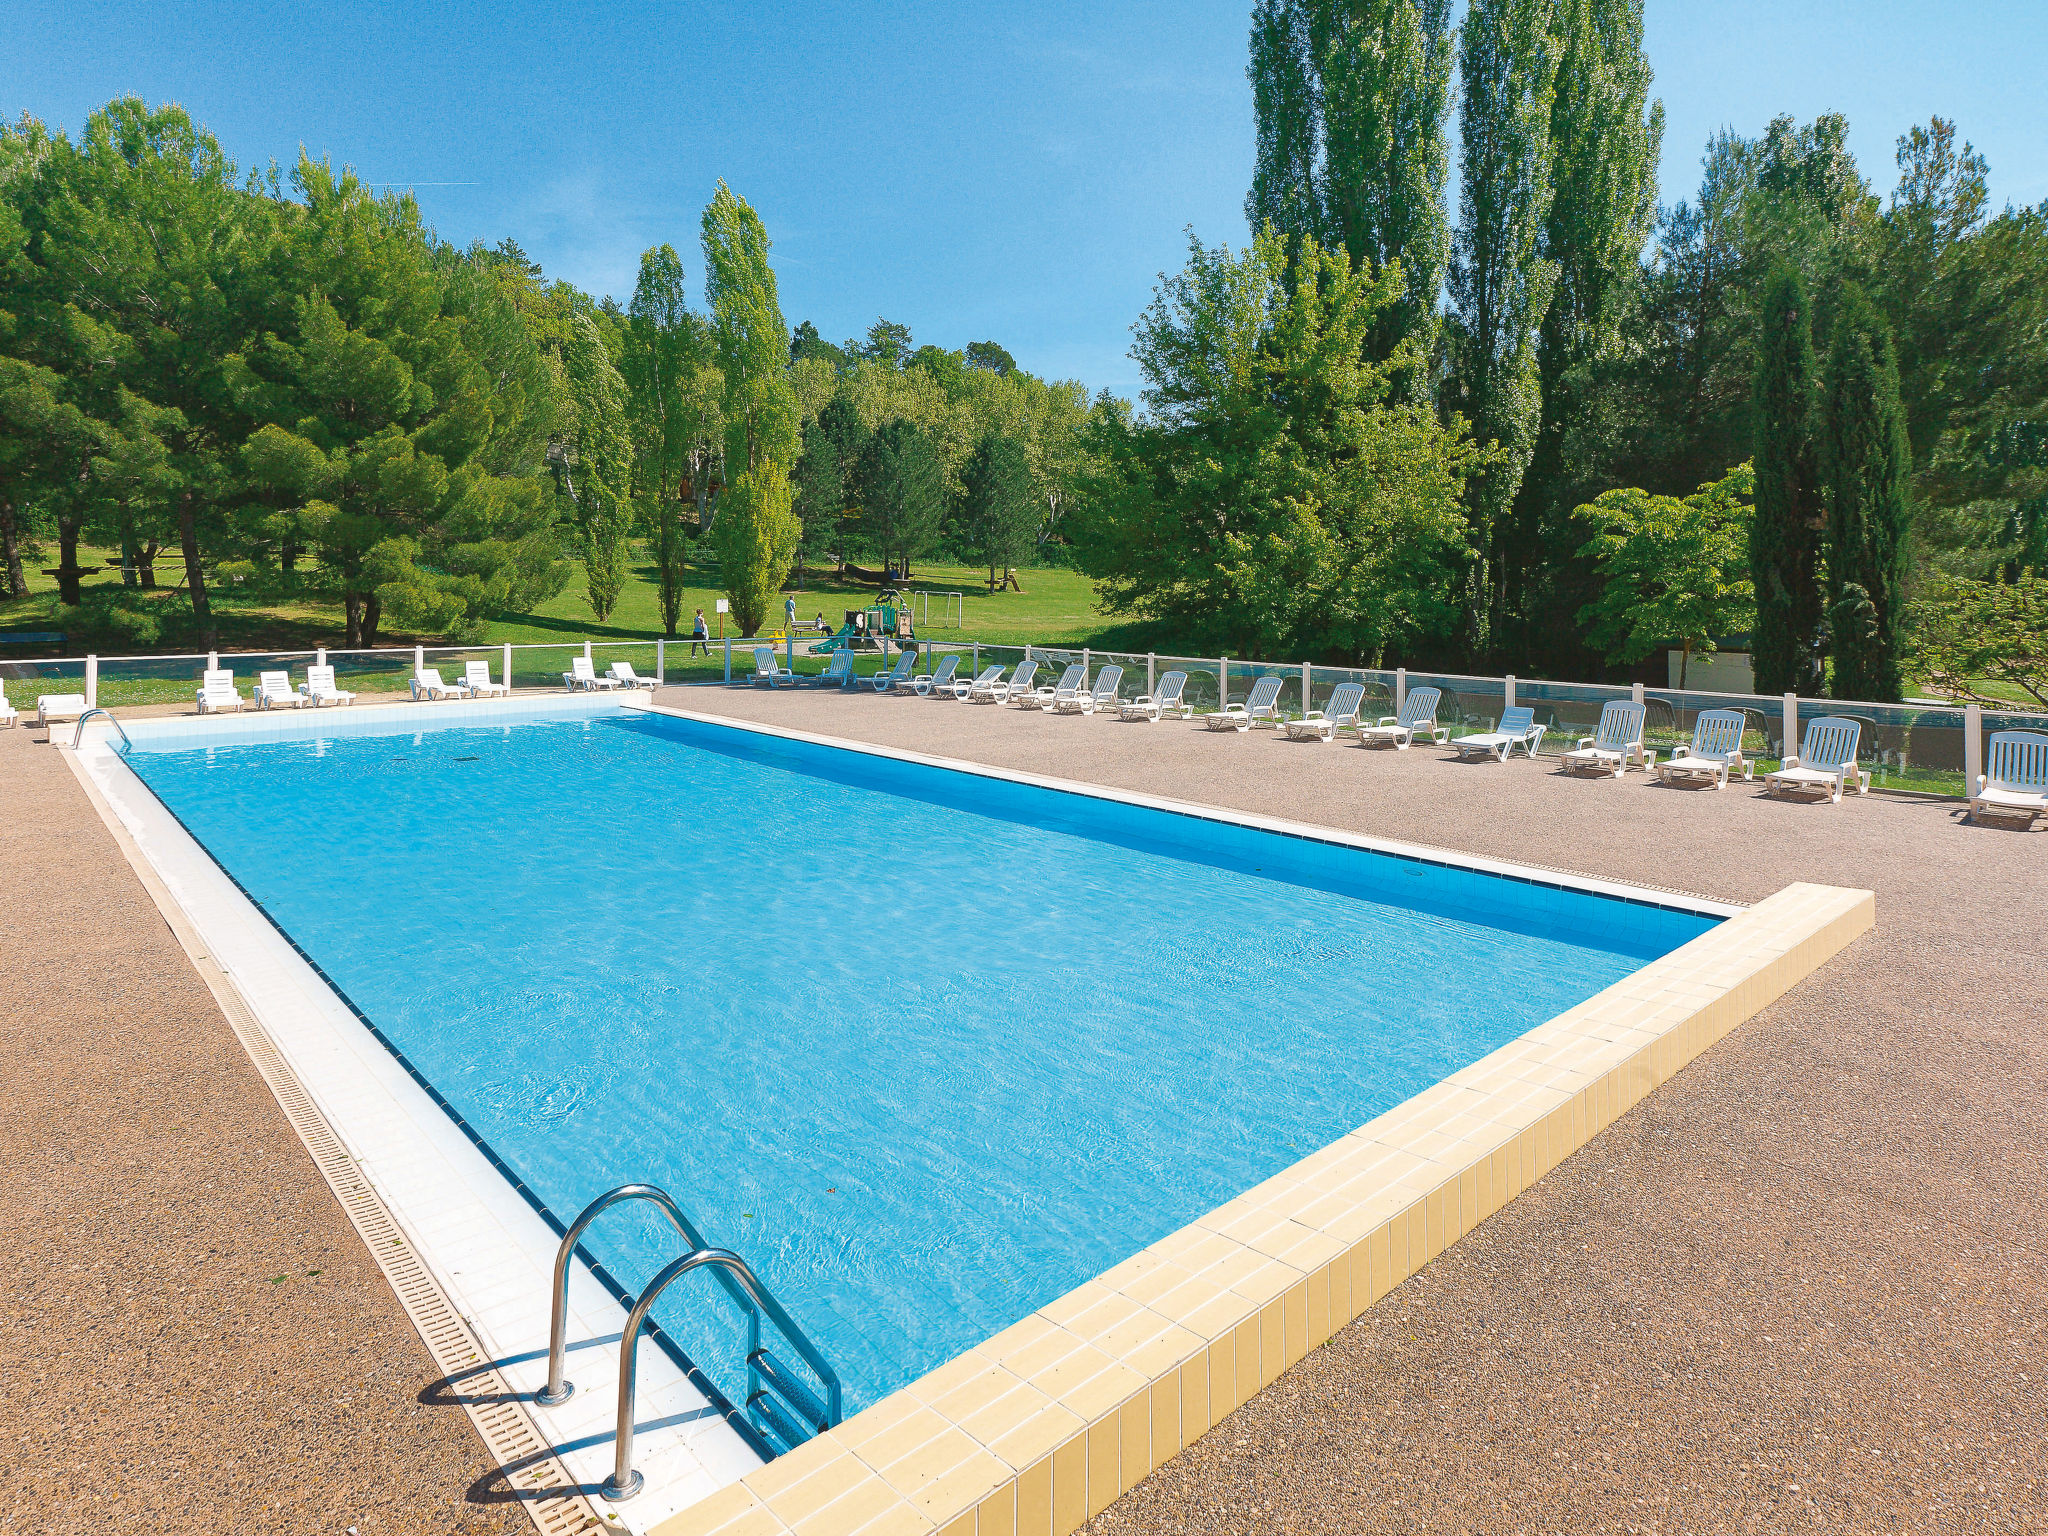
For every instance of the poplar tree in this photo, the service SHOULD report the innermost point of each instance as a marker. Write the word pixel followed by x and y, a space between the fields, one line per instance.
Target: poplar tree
pixel 1501 284
pixel 1865 459
pixel 1605 135
pixel 1385 69
pixel 1785 535
pixel 1283 76
pixel 660 339
pixel 599 479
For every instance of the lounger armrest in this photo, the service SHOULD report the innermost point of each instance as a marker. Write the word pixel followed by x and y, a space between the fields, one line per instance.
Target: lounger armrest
pixel 1790 762
pixel 1586 741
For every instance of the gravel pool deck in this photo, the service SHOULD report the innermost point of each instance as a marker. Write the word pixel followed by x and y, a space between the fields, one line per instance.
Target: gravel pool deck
pixel 1801 1287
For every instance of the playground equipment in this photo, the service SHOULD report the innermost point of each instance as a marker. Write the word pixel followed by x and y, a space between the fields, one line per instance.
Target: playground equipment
pixel 866 628
pixel 950 612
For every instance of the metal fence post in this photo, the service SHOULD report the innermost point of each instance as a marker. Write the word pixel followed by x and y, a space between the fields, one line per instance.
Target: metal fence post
pixel 789 648
pixel 1151 667
pixel 1973 748
pixel 728 658
pixel 1791 726
pixel 1400 689
pixel 976 668
pixel 320 655
pixel 508 669
pixel 586 650
pixel 92 682
pixel 1508 691
pixel 1086 666
pixel 660 663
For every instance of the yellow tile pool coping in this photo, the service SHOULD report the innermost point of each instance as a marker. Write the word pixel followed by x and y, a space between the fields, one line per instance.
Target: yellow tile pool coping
pixel 1042 1427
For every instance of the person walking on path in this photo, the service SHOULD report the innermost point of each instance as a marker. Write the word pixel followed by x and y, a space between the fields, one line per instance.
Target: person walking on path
pixel 700 636
pixel 789 615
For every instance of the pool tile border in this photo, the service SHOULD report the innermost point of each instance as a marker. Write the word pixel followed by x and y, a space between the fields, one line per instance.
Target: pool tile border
pixel 1039 1429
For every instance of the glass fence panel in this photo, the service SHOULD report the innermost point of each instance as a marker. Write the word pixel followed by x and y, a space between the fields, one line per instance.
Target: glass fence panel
pixel 374 676
pixel 24 681
pixel 1470 705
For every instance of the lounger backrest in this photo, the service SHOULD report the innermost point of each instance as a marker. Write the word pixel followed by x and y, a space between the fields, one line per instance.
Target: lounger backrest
pixel 1718 733
pixel 623 671
pixel 1621 725
pixel 2018 760
pixel 1074 678
pixel 320 679
pixel 1171 687
pixel 904 662
pixel 1024 675
pixel 1516 721
pixel 946 669
pixel 429 677
pixel 1419 708
pixel 1830 743
pixel 764 660
pixel 988 676
pixel 1107 681
pixel 223 680
pixel 275 682
pixel 840 664
pixel 1344 701
pixel 474 672
pixel 580 667
pixel 1263 693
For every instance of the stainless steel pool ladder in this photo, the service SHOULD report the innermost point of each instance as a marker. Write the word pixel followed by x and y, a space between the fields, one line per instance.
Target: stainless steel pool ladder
pixel 79 735
pixel 773 1391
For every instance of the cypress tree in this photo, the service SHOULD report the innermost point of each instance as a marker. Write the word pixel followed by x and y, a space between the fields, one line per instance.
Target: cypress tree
pixel 1865 458
pixel 1785 534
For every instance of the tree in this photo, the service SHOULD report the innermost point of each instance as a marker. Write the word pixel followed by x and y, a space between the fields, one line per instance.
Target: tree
pixel 1785 536
pixel 752 340
pixel 805 343
pixel 990 358
pixel 1286 109
pixel 818 491
pixel 842 428
pixel 1670 570
pixel 1002 504
pixel 1500 284
pixel 1276 499
pixel 597 471
pixel 902 491
pixel 662 355
pixel 887 343
pixel 1865 462
pixel 756 538
pixel 1963 634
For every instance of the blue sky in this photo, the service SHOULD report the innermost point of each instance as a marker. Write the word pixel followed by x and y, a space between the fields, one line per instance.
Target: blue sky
pixel 972 170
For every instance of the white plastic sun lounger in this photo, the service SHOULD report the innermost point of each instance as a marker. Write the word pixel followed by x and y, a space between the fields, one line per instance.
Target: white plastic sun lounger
pixel 59 706
pixel 580 675
pixel 1825 764
pixel 838 670
pixel 2014 785
pixel 1615 743
pixel 1259 707
pixel 8 713
pixel 1071 680
pixel 885 681
pixel 1086 700
pixel 217 691
pixel 319 689
pixel 1340 714
pixel 427 684
pixel 1716 751
pixel 1162 701
pixel 990 677
pixel 770 671
pixel 1417 717
pixel 1517 728
pixel 940 677
pixel 476 677
pixel 273 689
pixel 622 673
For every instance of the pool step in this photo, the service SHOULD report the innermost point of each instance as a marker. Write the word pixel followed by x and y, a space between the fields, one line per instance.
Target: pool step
pixel 774 1424
pixel 795 1393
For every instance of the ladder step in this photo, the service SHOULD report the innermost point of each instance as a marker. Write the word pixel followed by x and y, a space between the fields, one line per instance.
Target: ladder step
pixel 792 1391
pixel 771 1418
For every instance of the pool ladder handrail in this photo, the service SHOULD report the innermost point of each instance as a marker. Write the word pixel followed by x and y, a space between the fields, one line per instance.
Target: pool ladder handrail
pixel 79 735
pixel 765 1375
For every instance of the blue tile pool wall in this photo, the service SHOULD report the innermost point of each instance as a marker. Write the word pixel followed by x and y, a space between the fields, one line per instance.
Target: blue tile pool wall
pixel 928 1067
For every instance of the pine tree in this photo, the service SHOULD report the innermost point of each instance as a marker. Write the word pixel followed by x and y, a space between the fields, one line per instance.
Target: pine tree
pixel 1002 503
pixel 1385 71
pixel 1865 459
pixel 818 490
pixel 1785 537
pixel 1500 284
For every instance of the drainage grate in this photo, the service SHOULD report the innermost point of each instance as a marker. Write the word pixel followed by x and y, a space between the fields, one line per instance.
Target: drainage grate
pixel 537 1478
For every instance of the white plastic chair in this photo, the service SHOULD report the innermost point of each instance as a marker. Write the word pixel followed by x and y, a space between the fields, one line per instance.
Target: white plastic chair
pixel 886 681
pixel 939 679
pixel 1259 708
pixel 1615 743
pixel 1048 697
pixel 1826 762
pixel 476 677
pixel 1340 714
pixel 1716 751
pixel 59 706
pixel 273 689
pixel 622 673
pixel 1517 728
pixel 987 678
pixel 2014 784
pixel 1417 716
pixel 427 684
pixel 217 691
pixel 1166 699
pixel 8 713
pixel 838 670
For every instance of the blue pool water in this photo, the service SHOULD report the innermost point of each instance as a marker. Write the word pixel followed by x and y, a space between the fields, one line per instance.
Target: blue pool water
pixel 928 1049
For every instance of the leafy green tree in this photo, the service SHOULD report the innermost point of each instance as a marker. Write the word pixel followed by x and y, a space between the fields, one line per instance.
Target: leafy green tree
pixel 664 349
pixel 1866 460
pixel 597 472
pixel 990 357
pixel 888 344
pixel 1002 504
pixel 1785 536
pixel 1964 634
pixel 902 490
pixel 756 538
pixel 818 491
pixel 1670 570
pixel 1276 498
pixel 761 421
pixel 1500 283
pixel 805 342
pixel 1287 110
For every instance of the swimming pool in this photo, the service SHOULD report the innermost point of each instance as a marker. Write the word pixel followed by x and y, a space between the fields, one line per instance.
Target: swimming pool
pixel 927 1048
